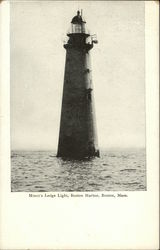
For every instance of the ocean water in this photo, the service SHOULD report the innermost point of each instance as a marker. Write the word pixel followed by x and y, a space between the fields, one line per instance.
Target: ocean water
pixel 42 171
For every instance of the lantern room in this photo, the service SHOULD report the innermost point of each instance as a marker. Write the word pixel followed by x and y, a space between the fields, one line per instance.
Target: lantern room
pixel 79 36
pixel 78 24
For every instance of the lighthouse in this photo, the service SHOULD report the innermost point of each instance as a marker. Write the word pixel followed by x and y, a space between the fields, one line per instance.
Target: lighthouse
pixel 78 133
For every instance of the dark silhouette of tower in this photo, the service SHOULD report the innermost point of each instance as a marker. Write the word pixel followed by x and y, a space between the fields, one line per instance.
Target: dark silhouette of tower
pixel 78 136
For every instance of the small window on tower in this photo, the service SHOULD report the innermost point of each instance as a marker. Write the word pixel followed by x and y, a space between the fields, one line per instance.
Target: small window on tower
pixel 87 70
pixel 89 96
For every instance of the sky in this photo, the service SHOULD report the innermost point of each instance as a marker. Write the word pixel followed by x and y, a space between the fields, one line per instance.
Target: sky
pixel 37 31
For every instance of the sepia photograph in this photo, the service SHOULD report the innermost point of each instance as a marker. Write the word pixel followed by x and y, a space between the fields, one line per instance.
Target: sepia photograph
pixel 79 114
pixel 77 96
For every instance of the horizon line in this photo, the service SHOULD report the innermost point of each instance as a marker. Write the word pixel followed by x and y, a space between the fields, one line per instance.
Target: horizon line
pixel 100 148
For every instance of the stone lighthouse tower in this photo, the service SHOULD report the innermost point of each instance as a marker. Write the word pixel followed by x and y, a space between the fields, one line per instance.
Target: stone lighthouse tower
pixel 78 136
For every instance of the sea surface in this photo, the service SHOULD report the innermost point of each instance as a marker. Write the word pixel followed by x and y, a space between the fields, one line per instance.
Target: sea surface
pixel 42 171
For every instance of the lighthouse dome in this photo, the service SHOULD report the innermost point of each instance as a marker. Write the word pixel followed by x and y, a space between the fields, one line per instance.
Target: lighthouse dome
pixel 77 19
